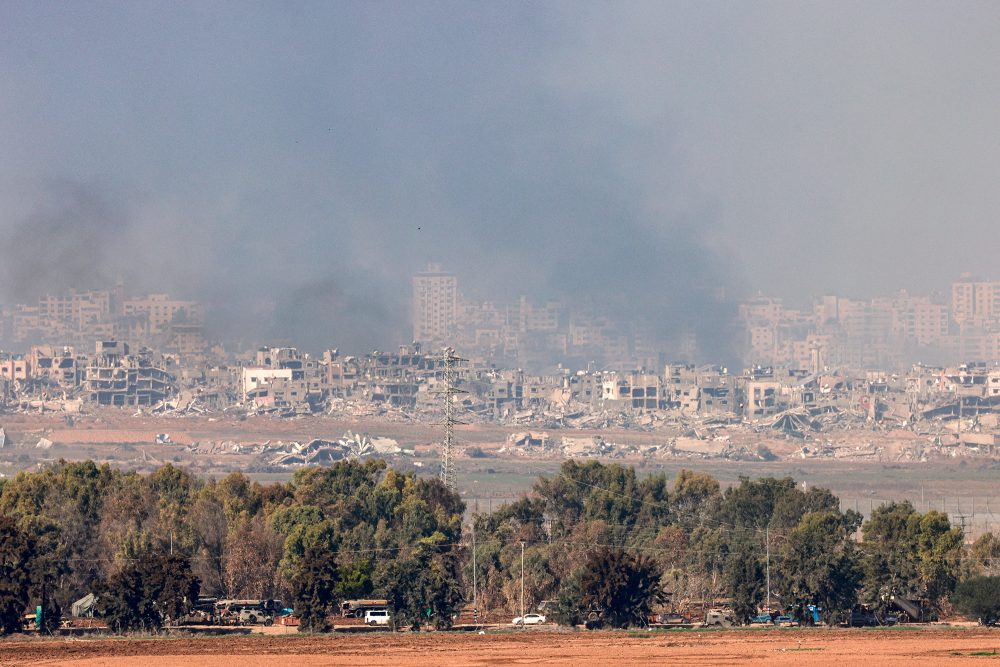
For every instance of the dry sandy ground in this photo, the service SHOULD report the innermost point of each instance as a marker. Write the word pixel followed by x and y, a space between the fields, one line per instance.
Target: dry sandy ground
pixel 928 646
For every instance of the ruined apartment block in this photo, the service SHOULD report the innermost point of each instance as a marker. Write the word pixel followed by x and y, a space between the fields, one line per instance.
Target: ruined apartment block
pixel 635 390
pixel 283 377
pixel 59 366
pixel 116 377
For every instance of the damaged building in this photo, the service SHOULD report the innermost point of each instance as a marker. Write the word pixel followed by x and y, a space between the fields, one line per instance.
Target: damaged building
pixel 116 377
pixel 60 366
pixel 284 377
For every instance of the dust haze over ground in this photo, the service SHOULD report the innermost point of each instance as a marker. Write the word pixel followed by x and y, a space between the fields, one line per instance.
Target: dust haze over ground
pixel 293 165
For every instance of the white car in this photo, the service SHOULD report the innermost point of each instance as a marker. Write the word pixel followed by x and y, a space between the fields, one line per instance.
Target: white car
pixel 529 619
pixel 377 617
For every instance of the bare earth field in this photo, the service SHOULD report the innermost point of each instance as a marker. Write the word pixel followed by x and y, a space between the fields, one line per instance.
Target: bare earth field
pixel 925 646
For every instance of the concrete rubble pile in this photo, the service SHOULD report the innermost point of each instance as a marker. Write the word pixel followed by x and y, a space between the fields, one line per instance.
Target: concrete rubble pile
pixel 192 402
pixel 589 446
pixel 682 410
pixel 320 452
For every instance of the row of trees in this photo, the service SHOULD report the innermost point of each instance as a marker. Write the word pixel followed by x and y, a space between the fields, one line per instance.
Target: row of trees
pixel 144 543
pixel 711 544
pixel 595 537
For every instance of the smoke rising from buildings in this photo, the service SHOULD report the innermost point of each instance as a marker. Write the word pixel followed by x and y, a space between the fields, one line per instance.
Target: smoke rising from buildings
pixel 293 166
pixel 67 237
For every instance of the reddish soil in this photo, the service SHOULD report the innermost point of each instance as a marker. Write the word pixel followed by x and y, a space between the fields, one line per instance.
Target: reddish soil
pixel 925 646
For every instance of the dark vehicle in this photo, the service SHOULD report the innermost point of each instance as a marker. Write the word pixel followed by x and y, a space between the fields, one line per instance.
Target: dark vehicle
pixel 673 621
pixel 862 618
pixel 357 608
pixel 202 612
pixel 720 617
pixel 248 612
pixel 914 611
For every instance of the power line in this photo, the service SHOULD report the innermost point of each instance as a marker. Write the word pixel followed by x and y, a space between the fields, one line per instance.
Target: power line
pixel 449 393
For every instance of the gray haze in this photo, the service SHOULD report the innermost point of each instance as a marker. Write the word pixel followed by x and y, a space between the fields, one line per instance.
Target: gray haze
pixel 292 164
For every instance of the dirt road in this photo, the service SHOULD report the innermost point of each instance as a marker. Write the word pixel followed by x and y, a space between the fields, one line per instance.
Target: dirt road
pixel 927 646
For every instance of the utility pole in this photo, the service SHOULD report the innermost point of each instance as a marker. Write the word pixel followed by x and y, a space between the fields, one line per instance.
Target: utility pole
pixel 960 402
pixel 767 548
pixel 475 602
pixel 522 583
pixel 961 517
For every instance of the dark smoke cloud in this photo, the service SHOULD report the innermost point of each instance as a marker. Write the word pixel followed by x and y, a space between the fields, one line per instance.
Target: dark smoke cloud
pixel 296 189
pixel 293 167
pixel 344 311
pixel 70 238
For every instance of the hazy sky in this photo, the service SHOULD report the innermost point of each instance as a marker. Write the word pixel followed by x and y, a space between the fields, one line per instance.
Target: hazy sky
pixel 293 163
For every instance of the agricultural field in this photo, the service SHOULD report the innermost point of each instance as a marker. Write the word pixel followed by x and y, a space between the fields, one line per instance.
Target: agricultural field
pixel 798 647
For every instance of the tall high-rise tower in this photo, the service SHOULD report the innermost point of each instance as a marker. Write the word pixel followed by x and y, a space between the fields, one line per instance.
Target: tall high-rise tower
pixel 435 305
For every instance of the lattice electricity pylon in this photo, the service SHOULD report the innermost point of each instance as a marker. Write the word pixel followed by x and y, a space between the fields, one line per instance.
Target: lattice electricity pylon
pixel 449 393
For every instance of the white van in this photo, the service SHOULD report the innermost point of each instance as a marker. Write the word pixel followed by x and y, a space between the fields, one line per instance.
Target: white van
pixel 377 617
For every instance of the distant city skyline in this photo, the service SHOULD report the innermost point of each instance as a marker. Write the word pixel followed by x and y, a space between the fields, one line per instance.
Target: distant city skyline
pixel 959 322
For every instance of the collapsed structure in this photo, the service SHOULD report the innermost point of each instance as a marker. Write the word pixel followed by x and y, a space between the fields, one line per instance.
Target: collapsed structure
pixel 959 404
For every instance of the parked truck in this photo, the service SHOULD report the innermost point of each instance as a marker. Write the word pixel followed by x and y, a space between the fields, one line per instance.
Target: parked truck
pixel 720 617
pixel 248 612
pixel 671 621
pixel 915 611
pixel 357 608
pixel 862 617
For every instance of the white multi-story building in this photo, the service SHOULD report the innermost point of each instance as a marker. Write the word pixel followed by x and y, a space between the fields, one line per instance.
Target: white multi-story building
pixel 435 304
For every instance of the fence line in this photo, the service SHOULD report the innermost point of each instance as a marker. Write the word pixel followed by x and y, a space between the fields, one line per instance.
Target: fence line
pixel 974 514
